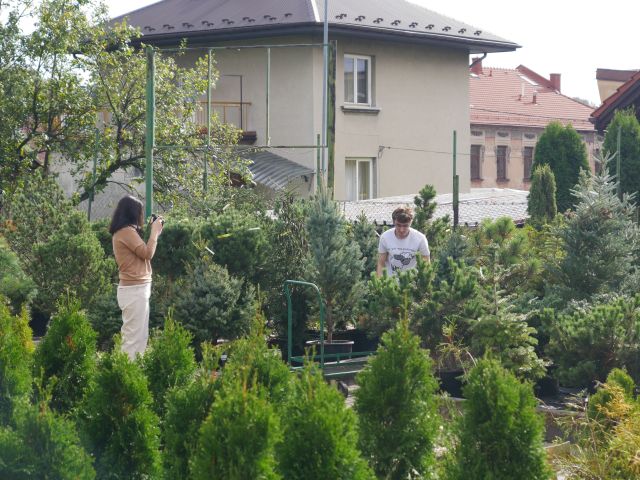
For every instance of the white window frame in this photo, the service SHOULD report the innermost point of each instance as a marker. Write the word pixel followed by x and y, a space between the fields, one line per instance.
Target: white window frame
pixel 358 161
pixel 355 78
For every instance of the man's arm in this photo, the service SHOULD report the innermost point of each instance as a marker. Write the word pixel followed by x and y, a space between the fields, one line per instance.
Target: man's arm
pixel 426 258
pixel 382 260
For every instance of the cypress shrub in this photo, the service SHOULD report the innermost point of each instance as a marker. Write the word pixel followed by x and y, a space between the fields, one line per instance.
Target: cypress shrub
pixel 43 445
pixel 105 316
pixel 396 407
pixel 169 361
pixel 627 123
pixel 541 201
pixel 66 356
pixel 237 440
pixel 320 432
pixel 16 357
pixel 118 421
pixel 604 396
pixel 500 434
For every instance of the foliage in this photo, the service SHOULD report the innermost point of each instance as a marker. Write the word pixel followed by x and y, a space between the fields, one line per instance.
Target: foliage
pixel 425 207
pixel 66 356
pixel 625 122
pixel 541 202
pixel 396 407
pixel 43 445
pixel 587 343
pixel 212 304
pixel 16 357
pixel 563 150
pixel 237 440
pixel 169 361
pixel 320 432
pixel 176 249
pixel 500 434
pixel 336 263
pixel 105 316
pixel 71 260
pixel 118 422
pixel 600 241
pixel 600 401
pixel 364 233
pixel 15 285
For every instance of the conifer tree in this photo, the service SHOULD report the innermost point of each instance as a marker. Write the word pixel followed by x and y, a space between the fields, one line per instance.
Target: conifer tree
pixel 364 232
pixel 625 122
pixel 336 262
pixel 396 407
pixel 563 150
pixel 541 205
pixel 500 434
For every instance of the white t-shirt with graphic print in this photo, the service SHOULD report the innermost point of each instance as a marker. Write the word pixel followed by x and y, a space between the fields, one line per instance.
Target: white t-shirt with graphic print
pixel 402 251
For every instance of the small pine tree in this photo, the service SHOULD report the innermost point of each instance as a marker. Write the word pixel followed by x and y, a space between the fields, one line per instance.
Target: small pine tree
pixel 541 205
pixel 425 208
pixel 320 432
pixel 627 123
pixel 500 434
pixel 66 356
pixel 15 285
pixel 364 232
pixel 563 150
pixel 169 361
pixel 43 445
pixel 237 440
pixel 396 407
pixel 336 263
pixel 117 419
pixel 16 357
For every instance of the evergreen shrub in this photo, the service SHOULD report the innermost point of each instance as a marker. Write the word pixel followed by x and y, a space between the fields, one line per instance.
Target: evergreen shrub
pixel 43 445
pixel 541 202
pixel 16 357
pixel 169 361
pixel 365 234
pixel 105 316
pixel 15 285
pixel 625 122
pixel 237 440
pixel 118 421
pixel 396 407
pixel 66 356
pixel 176 249
pixel 600 401
pixel 500 434
pixel 435 230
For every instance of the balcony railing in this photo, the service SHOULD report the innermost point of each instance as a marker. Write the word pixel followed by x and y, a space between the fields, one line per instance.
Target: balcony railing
pixel 234 113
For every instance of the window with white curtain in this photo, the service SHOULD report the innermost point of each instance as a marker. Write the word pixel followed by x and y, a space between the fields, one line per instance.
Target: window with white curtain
pixel 359 178
pixel 357 79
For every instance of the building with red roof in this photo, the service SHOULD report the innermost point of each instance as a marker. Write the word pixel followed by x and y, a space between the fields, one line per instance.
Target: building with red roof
pixel 509 109
pixel 627 95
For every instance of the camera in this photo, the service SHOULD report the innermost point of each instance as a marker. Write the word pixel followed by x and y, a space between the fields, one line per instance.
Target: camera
pixel 154 217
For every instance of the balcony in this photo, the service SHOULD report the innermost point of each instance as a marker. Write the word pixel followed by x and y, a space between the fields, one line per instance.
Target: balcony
pixel 233 113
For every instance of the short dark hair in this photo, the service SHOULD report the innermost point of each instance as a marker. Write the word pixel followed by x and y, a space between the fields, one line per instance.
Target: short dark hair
pixel 129 211
pixel 402 215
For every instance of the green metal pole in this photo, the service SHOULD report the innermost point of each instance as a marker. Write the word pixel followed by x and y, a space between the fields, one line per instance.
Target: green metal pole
pixel 150 132
pixel 287 293
pixel 268 133
pixel 456 181
pixel 206 155
pixel 619 165
pixel 93 174
pixel 318 161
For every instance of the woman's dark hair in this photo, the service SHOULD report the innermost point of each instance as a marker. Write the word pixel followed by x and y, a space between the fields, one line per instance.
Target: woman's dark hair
pixel 128 212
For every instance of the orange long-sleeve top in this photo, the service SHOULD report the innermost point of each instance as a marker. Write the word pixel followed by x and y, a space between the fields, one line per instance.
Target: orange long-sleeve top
pixel 133 256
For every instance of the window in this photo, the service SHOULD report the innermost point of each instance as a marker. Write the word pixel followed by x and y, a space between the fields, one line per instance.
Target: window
pixel 357 79
pixel 359 177
pixel 476 151
pixel 502 154
pixel 527 158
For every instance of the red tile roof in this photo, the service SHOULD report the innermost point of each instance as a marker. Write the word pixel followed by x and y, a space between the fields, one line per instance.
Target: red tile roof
pixel 625 95
pixel 500 96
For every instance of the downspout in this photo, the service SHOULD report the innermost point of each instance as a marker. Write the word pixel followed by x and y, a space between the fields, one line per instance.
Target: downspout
pixel 478 60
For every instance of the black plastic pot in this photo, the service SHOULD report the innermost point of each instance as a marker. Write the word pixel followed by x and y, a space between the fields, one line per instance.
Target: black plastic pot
pixel 336 346
pixel 451 382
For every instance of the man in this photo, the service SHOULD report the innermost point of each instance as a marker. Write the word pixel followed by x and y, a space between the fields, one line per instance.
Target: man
pixel 399 245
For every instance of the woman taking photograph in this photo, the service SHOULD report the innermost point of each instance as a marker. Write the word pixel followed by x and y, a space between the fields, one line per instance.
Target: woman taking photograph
pixel 133 257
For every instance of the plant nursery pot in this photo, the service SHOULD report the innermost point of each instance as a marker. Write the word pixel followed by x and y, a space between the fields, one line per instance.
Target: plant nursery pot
pixel 336 346
pixel 361 341
pixel 281 344
pixel 451 381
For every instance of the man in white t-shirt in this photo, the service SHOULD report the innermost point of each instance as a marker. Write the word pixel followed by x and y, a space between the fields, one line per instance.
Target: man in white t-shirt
pixel 400 245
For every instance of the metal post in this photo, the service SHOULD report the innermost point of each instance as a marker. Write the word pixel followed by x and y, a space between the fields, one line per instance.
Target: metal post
pixel 456 182
pixel 325 78
pixel 318 161
pixel 268 134
pixel 205 164
pixel 150 131
pixel 93 174
pixel 619 165
pixel 287 293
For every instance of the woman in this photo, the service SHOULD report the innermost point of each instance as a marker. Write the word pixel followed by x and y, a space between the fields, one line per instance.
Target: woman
pixel 133 257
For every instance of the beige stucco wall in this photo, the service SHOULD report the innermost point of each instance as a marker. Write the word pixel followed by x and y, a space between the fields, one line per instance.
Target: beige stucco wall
pixel 606 88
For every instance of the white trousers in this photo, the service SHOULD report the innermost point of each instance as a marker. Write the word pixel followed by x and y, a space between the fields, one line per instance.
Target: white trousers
pixel 134 302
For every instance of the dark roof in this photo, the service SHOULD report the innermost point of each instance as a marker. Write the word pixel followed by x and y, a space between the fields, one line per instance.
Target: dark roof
pixel 614 75
pixel 273 170
pixel 501 96
pixel 200 21
pixel 627 94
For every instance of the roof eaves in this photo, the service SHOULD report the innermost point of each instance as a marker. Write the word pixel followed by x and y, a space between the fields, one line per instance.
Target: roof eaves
pixel 605 111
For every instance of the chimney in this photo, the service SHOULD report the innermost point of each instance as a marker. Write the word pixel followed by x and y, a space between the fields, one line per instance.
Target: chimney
pixel 555 81
pixel 476 65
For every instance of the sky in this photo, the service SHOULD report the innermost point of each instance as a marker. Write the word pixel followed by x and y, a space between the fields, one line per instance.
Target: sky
pixel 570 37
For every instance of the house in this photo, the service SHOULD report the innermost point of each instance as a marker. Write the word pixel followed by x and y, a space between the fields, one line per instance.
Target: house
pixel 509 110
pixel 627 95
pixel 398 86
pixel 610 80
